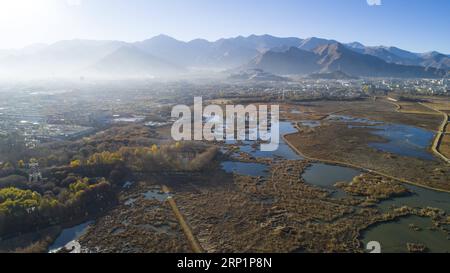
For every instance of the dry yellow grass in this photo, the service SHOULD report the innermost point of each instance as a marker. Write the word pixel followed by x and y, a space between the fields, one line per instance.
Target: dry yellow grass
pixel 415 108
pixel 444 148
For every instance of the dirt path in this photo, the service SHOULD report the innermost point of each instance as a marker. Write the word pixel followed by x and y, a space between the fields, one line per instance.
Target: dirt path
pixel 193 242
pixel 399 109
pixel 345 164
pixel 441 131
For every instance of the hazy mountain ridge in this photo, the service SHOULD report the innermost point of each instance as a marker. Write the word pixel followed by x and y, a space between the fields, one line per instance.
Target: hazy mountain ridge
pixel 292 61
pixel 273 54
pixel 60 58
pixel 337 57
pixel 131 61
pixel 223 53
pixel 400 56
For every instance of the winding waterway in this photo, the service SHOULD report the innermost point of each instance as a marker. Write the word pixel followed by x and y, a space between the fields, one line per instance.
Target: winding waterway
pixel 400 139
pixel 393 236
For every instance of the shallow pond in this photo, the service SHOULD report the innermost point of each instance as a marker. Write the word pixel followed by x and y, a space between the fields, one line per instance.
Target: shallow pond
pixel 130 201
pixel 325 176
pixel 401 139
pixel 421 197
pixel 350 119
pixel 310 123
pixel 404 140
pixel 242 168
pixel 156 195
pixel 68 236
pixel 283 151
pixel 394 236
pixel 127 184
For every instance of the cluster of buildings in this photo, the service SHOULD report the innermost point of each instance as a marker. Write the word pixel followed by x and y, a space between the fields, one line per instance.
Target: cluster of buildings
pixel 415 86
pixel 40 117
pixel 47 116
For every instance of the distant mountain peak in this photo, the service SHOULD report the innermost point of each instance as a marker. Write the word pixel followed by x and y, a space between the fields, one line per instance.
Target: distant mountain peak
pixel 129 60
pixel 330 48
pixel 431 54
pixel 163 36
pixel 355 45
pixel 330 57
pixel 314 42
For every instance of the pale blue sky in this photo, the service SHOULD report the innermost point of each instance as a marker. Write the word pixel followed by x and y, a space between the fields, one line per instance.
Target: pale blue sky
pixel 417 25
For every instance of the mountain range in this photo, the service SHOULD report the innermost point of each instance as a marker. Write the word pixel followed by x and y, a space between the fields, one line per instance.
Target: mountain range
pixel 337 57
pixel 163 55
